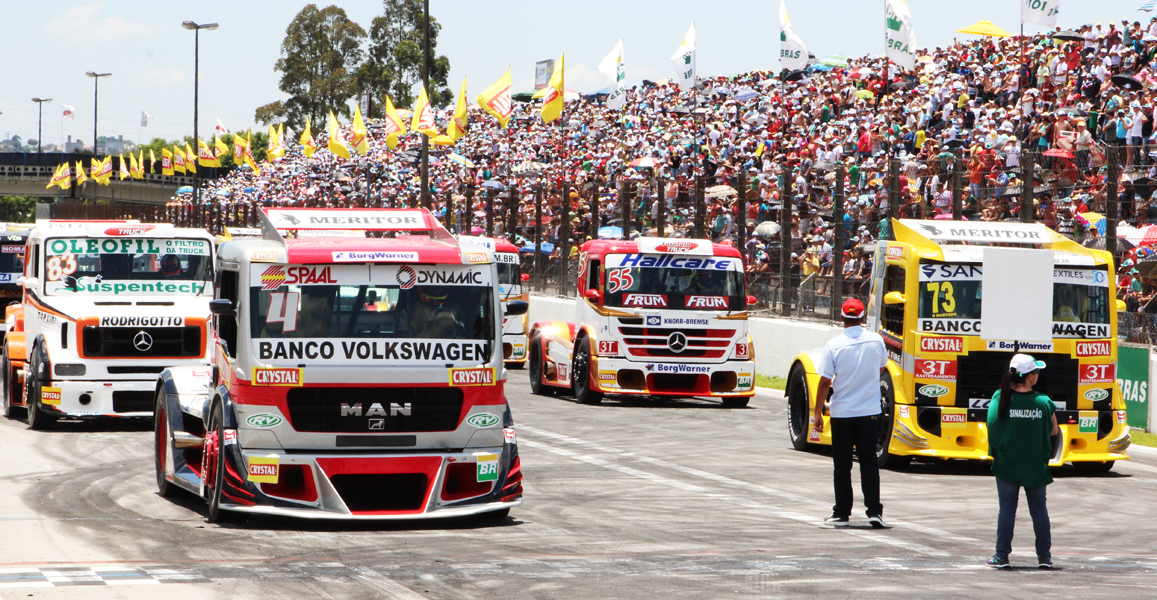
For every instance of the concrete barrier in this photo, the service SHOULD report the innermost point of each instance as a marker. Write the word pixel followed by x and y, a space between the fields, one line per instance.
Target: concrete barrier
pixel 777 341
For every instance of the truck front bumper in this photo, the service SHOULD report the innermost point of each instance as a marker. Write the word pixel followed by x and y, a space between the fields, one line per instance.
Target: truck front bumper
pixel 101 398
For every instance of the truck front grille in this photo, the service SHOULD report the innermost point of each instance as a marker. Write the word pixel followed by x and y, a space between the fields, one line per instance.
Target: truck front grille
pixel 978 375
pixel 374 409
pixel 142 342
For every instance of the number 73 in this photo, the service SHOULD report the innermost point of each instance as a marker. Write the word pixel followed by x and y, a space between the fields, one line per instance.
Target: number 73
pixel 948 303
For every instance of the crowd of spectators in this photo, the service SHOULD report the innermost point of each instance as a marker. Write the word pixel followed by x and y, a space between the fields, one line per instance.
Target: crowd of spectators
pixel 1077 100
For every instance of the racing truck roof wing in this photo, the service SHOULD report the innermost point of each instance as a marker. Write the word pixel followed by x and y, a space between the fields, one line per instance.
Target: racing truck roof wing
pixel 946 240
pixel 341 221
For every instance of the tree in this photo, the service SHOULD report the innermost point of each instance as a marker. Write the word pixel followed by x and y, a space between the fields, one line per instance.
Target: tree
pixel 19 209
pixel 394 61
pixel 319 55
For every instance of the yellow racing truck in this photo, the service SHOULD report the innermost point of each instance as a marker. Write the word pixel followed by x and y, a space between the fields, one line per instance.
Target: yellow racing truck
pixel 943 368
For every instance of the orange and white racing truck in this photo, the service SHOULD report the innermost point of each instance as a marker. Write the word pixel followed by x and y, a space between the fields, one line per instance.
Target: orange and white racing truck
pixel 106 306
pixel 655 317
pixel 510 287
pixel 352 378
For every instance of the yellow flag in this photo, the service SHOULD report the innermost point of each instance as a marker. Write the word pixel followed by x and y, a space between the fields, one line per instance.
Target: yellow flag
pixel 222 148
pixel 152 161
pixel 166 161
pixel 178 160
pixel 101 170
pixel 94 166
pixel 124 174
pixel 423 120
pixel 358 139
pixel 205 155
pixel 55 180
pixel 393 126
pixel 280 149
pixel 249 160
pixel 271 149
pixel 190 159
pixel 457 127
pixel 134 166
pixel 337 143
pixel 141 164
pixel 80 176
pixel 496 99
pixel 65 176
pixel 239 145
pixel 308 146
pixel 759 150
pixel 552 94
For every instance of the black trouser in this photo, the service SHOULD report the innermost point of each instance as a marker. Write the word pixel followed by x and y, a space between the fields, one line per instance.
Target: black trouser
pixel 863 433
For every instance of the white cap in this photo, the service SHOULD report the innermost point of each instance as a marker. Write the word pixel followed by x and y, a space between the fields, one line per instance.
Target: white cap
pixel 1023 364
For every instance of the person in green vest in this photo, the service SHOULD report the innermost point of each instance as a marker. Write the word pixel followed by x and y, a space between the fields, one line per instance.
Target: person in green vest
pixel 1021 424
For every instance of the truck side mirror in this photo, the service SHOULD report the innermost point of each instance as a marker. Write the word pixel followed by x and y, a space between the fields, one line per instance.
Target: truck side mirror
pixel 32 282
pixel 222 307
pixel 752 300
pixel 1121 306
pixel 525 277
pixel 894 298
pixel 594 296
pixel 516 307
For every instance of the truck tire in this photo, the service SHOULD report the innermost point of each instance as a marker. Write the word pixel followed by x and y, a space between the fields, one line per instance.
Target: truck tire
pixel 736 402
pixel 887 422
pixel 215 481
pixel 535 361
pixel 1094 467
pixel 798 409
pixel 580 372
pixel 11 409
pixel 38 417
pixel 162 448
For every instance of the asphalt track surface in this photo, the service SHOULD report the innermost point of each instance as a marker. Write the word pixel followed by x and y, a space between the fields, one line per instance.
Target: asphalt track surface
pixel 634 499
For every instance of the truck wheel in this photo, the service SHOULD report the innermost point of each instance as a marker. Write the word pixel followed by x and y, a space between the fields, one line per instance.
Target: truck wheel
pixel 887 422
pixel 1094 467
pixel 161 446
pixel 736 402
pixel 517 366
pixel 214 458
pixel 535 360
pixel 798 409
pixel 38 417
pixel 581 374
pixel 11 409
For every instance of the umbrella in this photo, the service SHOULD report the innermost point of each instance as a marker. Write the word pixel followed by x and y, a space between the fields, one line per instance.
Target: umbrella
pixel 796 75
pixel 547 248
pixel 1099 243
pixel 462 160
pixel 1147 267
pixel 1058 153
pixel 767 229
pixel 643 163
pixel 943 217
pixel 985 28
pixel 494 185
pixel 187 189
pixel 1127 82
pixel 823 165
pixel 746 94
pixel 865 94
pixel 861 73
pixel 681 110
pixel 720 191
pixel 833 61
pixel 529 169
pixel 610 233
pixel 1145 236
pixel 476 230
pixel 1067 35
pixel 1073 111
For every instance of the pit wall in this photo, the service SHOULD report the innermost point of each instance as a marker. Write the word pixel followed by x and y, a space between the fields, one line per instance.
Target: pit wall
pixel 778 341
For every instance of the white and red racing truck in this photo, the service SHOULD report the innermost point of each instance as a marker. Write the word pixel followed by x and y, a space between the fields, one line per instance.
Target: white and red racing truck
pixel 511 280
pixel 654 316
pixel 353 377
pixel 107 305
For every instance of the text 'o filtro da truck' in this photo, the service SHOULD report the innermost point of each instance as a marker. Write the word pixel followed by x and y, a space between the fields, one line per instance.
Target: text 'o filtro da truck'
pixel 354 376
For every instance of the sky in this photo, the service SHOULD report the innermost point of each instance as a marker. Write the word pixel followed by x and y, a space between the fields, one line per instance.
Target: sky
pixel 50 44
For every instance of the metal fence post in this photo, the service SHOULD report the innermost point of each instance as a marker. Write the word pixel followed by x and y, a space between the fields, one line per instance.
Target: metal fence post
pixel 661 215
pixel 564 241
pixel 538 237
pixel 957 187
pixel 893 195
pixel 625 207
pixel 1027 212
pixel 594 209
pixel 489 212
pixel 512 206
pixel 468 214
pixel 741 216
pixel 785 237
pixel 700 218
pixel 838 243
pixel 1111 208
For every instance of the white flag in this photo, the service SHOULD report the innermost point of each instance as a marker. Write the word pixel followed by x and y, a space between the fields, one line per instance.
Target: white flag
pixel 792 53
pixel 69 112
pixel 221 129
pixel 1041 12
pixel 900 39
pixel 684 61
pixel 614 67
pixel 145 118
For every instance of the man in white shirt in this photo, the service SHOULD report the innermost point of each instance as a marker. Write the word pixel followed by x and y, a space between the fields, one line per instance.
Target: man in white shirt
pixel 851 365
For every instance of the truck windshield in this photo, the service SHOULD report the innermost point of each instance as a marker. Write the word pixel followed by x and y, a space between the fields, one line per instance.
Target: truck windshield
pixel 509 274
pixel 676 289
pixel 954 292
pixel 12 257
pixel 372 311
pixel 113 266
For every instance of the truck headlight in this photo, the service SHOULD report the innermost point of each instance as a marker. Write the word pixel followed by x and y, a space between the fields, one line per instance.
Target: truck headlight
pixel 69 369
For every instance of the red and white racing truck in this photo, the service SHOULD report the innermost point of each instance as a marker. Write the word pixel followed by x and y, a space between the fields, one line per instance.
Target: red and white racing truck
pixel 353 378
pixel 654 316
pixel 510 287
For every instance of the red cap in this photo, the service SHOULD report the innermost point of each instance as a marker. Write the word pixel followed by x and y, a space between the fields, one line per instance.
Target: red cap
pixel 853 309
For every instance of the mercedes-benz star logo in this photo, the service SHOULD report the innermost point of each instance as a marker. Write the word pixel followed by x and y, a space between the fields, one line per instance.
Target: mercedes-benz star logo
pixel 142 341
pixel 677 342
